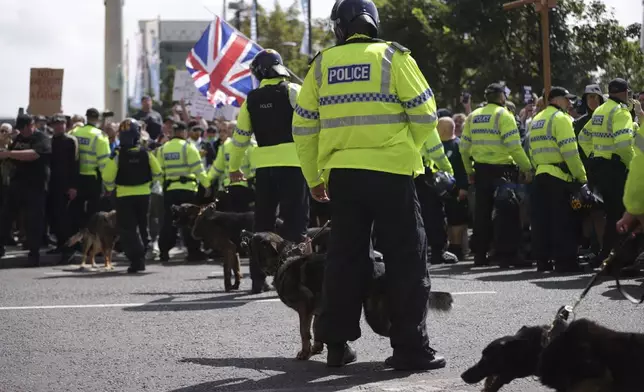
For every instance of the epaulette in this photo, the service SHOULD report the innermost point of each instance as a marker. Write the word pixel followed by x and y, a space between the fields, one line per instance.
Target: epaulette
pixel 400 48
pixel 316 56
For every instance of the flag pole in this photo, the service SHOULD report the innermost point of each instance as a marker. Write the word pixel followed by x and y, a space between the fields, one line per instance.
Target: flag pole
pixel 308 18
pixel 293 75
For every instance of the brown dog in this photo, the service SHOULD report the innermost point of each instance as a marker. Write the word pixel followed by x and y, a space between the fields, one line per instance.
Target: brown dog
pixel 218 230
pixel 99 236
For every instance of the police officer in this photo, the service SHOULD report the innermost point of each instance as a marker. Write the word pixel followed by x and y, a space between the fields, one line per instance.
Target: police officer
pixel 237 196
pixel 431 201
pixel 555 154
pixel 181 164
pixel 491 139
pixel 633 200
pixel 132 170
pixel 607 140
pixel 63 185
pixel 364 113
pixel 30 155
pixel 94 152
pixel 268 113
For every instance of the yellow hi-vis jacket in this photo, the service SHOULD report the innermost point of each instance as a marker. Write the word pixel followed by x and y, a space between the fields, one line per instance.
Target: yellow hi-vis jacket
pixel 634 190
pixel 268 156
pixel 491 136
pixel 610 131
pixel 93 149
pixel 428 150
pixel 221 166
pixel 553 145
pixel 112 168
pixel 179 160
pixel 364 105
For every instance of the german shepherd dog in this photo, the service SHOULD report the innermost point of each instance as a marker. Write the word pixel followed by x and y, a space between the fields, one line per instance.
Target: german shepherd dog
pixel 298 280
pixel 218 230
pixel 99 236
pixel 585 357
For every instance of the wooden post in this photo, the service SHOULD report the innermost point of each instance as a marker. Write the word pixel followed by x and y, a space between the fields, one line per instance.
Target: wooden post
pixel 543 7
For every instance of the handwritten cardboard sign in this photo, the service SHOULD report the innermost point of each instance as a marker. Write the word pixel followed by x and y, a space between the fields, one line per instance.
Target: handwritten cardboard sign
pixel 45 91
pixel 184 88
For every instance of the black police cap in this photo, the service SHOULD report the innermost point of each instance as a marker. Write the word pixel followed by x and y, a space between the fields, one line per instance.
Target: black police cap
pixel 92 113
pixel 179 126
pixel 617 85
pixel 494 88
pixel 557 92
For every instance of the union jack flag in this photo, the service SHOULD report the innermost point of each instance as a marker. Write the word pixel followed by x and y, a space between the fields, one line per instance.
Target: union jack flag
pixel 219 64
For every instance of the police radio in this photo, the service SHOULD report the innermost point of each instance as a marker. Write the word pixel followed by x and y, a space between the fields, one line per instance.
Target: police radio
pixel 584 198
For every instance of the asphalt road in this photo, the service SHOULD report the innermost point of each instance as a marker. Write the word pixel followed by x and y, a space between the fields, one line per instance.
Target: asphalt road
pixel 174 329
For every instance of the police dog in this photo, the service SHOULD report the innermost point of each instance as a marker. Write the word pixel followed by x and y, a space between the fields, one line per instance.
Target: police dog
pixel 99 236
pixel 218 230
pixel 584 357
pixel 298 280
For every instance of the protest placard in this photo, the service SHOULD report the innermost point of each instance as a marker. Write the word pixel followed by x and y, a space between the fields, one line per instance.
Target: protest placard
pixel 184 88
pixel 45 91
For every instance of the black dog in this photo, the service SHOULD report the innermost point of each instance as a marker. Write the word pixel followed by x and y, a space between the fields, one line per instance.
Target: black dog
pixel 588 355
pixel 298 280
pixel 508 358
pixel 220 231
pixel 584 357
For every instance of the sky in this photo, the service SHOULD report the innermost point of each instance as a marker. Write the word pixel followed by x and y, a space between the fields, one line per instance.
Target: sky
pixel 72 38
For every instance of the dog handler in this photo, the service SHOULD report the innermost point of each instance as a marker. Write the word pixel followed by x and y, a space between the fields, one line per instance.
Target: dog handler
pixel 555 154
pixel 131 170
pixel 182 166
pixel 364 112
pixel 491 138
pixel 268 113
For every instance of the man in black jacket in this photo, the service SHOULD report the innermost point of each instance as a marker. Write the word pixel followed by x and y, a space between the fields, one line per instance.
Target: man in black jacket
pixel 594 220
pixel 65 168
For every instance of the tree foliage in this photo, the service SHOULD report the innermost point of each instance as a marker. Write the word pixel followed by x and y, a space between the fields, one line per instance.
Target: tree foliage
pixel 464 45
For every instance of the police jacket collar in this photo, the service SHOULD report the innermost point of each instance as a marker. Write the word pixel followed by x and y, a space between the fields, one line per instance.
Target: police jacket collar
pixel 619 101
pixel 557 107
pixel 358 36
pixel 177 137
pixel 497 104
pixel 272 81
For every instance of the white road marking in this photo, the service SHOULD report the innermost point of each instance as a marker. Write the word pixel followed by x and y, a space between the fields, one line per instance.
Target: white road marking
pixel 176 303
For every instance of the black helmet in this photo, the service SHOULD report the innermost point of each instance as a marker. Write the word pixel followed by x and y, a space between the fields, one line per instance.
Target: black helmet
pixel 129 132
pixel 444 184
pixel 268 64
pixel 354 17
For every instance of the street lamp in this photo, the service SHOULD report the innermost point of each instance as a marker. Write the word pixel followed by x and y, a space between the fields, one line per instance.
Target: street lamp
pixel 238 7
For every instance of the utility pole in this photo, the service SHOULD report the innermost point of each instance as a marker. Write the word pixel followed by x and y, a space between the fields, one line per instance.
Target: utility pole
pixel 114 94
pixel 543 7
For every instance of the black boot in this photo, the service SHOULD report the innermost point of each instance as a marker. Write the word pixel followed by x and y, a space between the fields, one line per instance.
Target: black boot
pixel 260 287
pixel 438 256
pixel 416 362
pixel 544 266
pixel 135 267
pixel 481 260
pixel 568 266
pixel 340 355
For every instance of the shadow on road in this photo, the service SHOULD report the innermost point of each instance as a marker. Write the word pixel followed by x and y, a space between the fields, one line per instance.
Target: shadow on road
pixel 94 274
pixel 635 290
pixel 294 375
pixel 171 304
pixel 579 283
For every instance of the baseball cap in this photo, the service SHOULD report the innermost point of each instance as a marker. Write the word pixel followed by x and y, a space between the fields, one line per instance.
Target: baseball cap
pixel 557 92
pixel 92 113
pixel 59 118
pixel 617 85
pixel 494 88
pixel 443 113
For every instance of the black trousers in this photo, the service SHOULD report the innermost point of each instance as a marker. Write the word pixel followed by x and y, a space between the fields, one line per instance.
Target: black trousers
pixel 609 177
pixel 32 202
pixel 362 198
pixel 284 187
pixel 87 201
pixel 433 213
pixel 130 212
pixel 58 211
pixel 168 236
pixel 554 235
pixel 486 180
pixel 240 198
